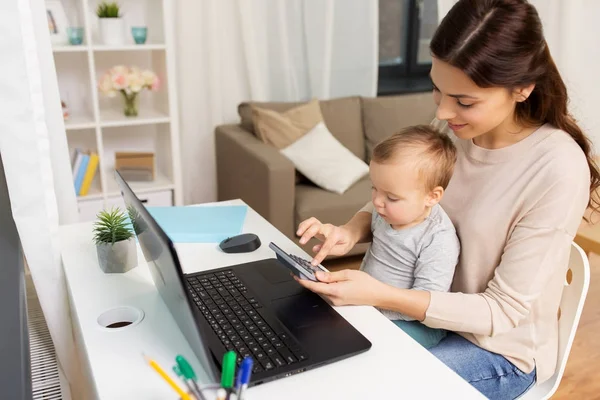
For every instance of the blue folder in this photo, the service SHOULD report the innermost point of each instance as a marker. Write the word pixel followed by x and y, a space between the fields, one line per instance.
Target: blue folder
pixel 200 224
pixel 81 173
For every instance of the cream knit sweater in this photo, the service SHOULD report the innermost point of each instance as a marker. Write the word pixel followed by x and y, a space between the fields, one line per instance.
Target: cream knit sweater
pixel 516 211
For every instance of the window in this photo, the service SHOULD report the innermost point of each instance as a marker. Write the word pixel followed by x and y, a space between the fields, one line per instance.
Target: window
pixel 405 30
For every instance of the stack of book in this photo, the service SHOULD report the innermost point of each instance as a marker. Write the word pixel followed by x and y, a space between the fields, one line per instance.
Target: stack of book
pixel 85 164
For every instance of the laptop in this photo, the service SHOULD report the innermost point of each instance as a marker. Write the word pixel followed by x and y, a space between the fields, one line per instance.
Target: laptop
pixel 255 309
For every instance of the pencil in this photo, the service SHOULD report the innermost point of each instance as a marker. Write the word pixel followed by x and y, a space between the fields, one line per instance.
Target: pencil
pixel 163 374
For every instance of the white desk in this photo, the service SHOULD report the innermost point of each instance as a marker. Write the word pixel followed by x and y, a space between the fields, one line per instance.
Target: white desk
pixel 113 359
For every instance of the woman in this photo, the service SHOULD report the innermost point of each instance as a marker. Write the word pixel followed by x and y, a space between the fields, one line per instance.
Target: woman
pixel 521 184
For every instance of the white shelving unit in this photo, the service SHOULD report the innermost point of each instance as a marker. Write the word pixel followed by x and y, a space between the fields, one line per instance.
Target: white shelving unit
pixel 97 123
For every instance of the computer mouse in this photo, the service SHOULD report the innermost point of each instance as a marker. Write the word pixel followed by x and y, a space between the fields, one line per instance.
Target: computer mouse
pixel 244 243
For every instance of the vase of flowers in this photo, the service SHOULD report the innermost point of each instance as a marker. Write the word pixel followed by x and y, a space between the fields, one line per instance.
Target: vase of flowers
pixel 110 23
pixel 129 82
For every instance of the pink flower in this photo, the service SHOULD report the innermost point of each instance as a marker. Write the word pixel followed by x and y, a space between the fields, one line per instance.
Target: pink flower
pixel 155 84
pixel 127 79
pixel 120 81
pixel 105 85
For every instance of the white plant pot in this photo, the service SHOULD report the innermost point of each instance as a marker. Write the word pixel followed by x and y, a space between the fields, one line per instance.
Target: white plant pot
pixel 118 257
pixel 112 31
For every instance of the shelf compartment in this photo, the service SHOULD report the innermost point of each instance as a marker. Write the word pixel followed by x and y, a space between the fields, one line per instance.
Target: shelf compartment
pixel 148 138
pixel 73 76
pixel 148 13
pixel 151 104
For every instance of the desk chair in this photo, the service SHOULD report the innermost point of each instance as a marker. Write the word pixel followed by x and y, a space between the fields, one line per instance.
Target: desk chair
pixel 571 304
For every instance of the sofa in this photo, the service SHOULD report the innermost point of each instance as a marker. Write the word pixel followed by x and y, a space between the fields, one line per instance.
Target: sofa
pixel 266 180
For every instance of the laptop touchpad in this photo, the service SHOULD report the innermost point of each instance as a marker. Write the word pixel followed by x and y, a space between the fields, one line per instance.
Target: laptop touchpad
pixel 302 310
pixel 274 274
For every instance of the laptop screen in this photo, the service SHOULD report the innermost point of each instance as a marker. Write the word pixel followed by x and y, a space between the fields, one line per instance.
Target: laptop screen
pixel 166 272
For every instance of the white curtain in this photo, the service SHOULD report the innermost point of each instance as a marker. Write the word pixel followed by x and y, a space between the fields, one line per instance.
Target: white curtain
pixel 36 161
pixel 571 30
pixel 230 51
pixel 443 7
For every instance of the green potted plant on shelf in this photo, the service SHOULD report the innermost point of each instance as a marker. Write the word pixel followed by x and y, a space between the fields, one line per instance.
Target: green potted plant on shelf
pixel 115 243
pixel 110 23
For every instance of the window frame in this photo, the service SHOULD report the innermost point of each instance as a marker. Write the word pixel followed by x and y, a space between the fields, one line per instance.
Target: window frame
pixel 410 76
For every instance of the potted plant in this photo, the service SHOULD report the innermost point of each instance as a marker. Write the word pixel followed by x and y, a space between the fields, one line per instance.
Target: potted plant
pixel 110 23
pixel 114 240
pixel 151 245
pixel 129 82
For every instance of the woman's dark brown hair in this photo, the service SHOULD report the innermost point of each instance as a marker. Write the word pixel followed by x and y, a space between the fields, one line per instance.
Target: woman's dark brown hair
pixel 500 43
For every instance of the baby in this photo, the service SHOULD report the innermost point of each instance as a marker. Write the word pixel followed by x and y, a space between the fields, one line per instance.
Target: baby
pixel 414 242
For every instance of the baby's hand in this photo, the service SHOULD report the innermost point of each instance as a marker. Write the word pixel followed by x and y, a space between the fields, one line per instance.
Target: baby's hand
pixel 336 240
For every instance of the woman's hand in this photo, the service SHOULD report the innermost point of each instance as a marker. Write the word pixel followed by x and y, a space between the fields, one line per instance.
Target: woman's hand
pixel 336 240
pixel 346 287
pixel 352 287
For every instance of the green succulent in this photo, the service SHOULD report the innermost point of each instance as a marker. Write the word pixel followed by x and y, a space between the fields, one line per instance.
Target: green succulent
pixel 111 227
pixel 136 220
pixel 108 10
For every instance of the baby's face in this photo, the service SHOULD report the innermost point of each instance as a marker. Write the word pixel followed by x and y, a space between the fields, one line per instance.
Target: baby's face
pixel 398 195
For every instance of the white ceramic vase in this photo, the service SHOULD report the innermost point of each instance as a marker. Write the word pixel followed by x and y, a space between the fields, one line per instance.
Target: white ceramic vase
pixel 112 32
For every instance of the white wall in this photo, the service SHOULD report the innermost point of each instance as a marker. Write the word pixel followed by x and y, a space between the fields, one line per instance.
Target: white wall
pixel 572 30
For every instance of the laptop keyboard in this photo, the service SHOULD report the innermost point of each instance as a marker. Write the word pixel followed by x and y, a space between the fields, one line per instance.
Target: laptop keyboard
pixel 232 313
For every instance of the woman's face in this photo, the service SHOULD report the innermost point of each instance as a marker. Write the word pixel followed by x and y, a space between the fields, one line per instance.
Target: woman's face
pixel 470 111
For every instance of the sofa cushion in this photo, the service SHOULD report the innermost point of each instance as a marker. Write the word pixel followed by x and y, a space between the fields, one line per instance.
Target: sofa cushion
pixel 283 129
pixel 328 207
pixel 384 116
pixel 245 111
pixel 342 116
pixel 325 161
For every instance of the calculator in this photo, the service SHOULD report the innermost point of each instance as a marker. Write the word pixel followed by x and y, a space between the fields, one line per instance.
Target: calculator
pixel 299 266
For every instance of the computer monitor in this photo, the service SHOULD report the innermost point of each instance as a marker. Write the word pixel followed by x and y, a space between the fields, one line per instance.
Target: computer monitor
pixel 15 365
